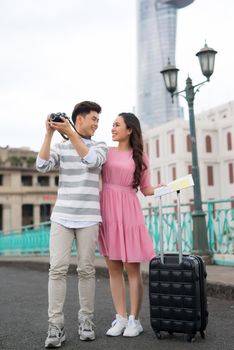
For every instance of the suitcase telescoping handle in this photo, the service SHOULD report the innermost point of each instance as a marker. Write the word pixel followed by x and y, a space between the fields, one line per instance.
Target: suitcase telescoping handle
pixel 174 186
pixel 179 228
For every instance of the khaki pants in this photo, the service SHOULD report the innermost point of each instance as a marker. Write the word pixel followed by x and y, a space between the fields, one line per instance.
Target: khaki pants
pixel 61 240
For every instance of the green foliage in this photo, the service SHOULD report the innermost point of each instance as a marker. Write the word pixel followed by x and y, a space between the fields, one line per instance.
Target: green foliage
pixel 16 161
pixel 19 161
pixel 31 161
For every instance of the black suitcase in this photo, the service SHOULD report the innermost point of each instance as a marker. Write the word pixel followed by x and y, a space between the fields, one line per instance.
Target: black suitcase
pixel 177 290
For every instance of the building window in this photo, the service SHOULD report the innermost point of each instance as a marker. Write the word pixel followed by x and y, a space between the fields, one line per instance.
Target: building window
pixel 175 209
pixel 190 169
pixel 173 173
pixel 232 206
pixel 56 180
pixel 208 144
pixel 158 177
pixel 157 149
pixel 27 214
pixel 1 180
pixel 188 143
pixel 45 210
pixel 229 141
pixel 43 180
pixel 172 143
pixel 1 217
pixel 210 176
pixel 231 173
pixel 26 180
pixel 213 207
pixel 191 204
pixel 146 148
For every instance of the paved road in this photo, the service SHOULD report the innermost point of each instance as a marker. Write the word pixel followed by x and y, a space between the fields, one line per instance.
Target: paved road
pixel 23 318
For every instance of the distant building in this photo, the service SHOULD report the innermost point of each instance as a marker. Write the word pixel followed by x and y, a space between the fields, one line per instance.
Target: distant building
pixel 26 196
pixel 169 150
pixel 156 39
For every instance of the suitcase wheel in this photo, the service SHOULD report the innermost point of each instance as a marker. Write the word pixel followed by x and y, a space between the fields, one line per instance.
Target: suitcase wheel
pixel 158 335
pixel 203 335
pixel 190 338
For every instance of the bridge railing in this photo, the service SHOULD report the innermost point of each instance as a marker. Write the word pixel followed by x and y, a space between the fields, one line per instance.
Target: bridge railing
pixel 34 239
pixel 220 225
pixel 220 228
pixel 170 227
pixel 27 240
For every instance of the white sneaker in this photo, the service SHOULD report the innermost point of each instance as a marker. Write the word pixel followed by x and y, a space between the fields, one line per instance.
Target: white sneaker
pixel 118 326
pixel 134 327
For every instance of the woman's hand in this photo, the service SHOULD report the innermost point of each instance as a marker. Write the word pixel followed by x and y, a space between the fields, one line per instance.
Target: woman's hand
pixel 149 191
pixel 162 184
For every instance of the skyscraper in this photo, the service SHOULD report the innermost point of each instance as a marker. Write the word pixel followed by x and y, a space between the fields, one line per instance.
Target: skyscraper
pixel 156 27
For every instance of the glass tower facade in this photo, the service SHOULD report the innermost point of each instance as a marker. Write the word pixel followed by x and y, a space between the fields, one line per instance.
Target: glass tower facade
pixel 156 31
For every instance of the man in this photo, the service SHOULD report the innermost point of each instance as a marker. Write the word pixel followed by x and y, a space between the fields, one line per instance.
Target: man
pixel 76 214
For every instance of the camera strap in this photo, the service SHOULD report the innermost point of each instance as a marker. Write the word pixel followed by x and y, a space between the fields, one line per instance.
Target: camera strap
pixel 83 137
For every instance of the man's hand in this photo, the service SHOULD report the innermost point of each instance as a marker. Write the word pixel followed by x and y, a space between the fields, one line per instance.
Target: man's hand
pixel 44 152
pixel 63 128
pixel 49 129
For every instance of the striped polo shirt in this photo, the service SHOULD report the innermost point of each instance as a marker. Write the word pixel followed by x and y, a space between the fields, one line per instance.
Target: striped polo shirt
pixel 78 188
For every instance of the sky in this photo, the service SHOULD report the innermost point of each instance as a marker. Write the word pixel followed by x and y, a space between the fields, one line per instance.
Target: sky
pixel 56 53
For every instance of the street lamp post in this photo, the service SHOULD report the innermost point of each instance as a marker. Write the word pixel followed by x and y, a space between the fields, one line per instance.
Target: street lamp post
pixel 207 58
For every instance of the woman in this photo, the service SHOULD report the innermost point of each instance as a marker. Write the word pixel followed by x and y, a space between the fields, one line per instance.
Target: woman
pixel 123 237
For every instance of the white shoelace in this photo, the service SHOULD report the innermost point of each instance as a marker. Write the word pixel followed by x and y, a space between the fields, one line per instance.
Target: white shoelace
pixel 54 331
pixel 86 324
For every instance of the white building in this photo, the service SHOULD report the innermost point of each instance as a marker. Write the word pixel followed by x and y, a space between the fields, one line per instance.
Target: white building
pixel 169 150
pixel 26 196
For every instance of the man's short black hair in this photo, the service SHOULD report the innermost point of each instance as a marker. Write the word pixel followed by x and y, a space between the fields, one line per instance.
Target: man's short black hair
pixel 84 108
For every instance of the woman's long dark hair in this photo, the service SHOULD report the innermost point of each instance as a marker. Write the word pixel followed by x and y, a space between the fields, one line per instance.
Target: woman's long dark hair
pixel 136 142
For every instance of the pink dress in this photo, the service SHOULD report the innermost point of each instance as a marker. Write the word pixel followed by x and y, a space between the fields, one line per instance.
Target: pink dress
pixel 123 234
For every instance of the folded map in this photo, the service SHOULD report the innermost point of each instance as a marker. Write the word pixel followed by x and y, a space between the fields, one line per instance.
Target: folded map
pixel 173 186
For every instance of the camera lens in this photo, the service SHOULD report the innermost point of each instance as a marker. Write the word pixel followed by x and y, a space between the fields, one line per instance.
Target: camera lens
pixel 55 117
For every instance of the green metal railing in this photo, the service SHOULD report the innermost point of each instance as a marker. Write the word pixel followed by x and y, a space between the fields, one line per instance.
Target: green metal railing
pixel 220 229
pixel 34 239
pixel 170 228
pixel 220 224
pixel 28 240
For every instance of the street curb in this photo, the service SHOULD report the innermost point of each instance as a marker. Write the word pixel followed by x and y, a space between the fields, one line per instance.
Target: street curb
pixel 214 289
pixel 220 290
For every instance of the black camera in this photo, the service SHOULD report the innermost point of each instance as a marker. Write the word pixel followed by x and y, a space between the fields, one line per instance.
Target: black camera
pixel 55 117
